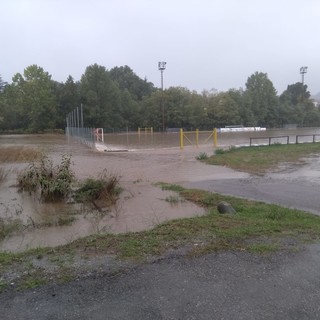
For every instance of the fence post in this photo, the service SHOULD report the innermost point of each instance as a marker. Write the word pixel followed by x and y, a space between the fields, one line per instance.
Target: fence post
pixel 197 138
pixel 215 137
pixel 181 138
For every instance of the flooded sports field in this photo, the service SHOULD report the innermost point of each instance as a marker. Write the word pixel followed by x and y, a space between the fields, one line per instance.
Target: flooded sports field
pixel 141 205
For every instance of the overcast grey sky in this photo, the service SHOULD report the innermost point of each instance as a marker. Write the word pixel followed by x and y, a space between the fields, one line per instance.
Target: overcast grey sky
pixel 206 43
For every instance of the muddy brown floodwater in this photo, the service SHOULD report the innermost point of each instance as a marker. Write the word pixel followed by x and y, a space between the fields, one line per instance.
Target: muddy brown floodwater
pixel 141 206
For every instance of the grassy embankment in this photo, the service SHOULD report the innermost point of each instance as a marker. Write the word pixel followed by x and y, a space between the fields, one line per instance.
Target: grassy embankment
pixel 257 227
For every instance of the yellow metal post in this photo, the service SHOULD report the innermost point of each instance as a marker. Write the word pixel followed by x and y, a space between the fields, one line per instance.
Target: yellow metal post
pixel 215 137
pixel 181 138
pixel 197 138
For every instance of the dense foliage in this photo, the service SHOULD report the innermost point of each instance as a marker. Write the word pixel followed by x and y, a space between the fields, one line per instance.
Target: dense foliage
pixel 118 99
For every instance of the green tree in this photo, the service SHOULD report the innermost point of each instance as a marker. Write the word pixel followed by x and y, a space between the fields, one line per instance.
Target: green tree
pixel 295 94
pixel 31 97
pixel 128 80
pixel 298 105
pixel 68 98
pixel 3 84
pixel 261 98
pixel 224 110
pixel 151 111
pixel 100 97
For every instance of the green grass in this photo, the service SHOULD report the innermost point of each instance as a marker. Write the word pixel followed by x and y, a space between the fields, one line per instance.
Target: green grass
pixel 259 160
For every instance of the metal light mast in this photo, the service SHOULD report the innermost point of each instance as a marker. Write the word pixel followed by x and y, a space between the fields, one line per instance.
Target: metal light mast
pixel 162 67
pixel 303 70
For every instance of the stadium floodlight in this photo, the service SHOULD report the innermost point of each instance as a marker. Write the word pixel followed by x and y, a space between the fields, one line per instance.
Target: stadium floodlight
pixel 162 67
pixel 303 70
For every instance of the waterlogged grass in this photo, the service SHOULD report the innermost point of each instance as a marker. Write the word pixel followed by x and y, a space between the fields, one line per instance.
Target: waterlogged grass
pixel 259 160
pixel 19 154
pixel 8 226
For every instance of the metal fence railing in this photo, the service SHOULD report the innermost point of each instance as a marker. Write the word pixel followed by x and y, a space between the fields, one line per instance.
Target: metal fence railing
pixel 84 135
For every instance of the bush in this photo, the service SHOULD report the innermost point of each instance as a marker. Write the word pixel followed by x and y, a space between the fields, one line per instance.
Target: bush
pixel 53 182
pixel 101 192
pixel 202 156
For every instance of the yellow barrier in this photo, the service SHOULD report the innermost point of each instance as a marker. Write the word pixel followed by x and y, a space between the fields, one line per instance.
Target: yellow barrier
pixel 183 135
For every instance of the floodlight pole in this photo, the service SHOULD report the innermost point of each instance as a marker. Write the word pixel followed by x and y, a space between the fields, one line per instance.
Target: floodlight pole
pixel 303 70
pixel 162 67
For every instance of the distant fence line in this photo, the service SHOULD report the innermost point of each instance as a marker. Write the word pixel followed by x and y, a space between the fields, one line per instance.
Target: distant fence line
pixel 84 135
pixel 279 139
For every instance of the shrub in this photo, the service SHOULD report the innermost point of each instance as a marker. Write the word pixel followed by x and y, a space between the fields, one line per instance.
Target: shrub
pixel 101 192
pixel 53 182
pixel 202 156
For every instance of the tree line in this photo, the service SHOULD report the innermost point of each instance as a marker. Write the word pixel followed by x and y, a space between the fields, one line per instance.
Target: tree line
pixel 117 99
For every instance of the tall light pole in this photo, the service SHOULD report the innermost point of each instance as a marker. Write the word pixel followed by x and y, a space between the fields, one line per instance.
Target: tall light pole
pixel 303 70
pixel 162 67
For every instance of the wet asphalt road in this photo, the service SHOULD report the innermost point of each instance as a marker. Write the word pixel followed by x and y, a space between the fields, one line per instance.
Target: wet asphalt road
pixel 223 285
pixel 295 194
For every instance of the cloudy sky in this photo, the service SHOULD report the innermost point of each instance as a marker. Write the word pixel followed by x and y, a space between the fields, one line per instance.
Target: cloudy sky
pixel 206 43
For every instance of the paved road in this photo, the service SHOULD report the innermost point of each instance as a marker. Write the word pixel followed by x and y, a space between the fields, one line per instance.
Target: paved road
pixel 294 187
pixel 223 285
pixel 298 194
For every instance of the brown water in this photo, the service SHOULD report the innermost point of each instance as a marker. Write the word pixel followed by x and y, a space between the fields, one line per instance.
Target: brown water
pixel 141 206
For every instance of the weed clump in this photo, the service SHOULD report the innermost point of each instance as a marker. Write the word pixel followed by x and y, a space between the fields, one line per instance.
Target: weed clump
pixel 101 192
pixel 53 182
pixel 202 156
pixel 9 226
pixel 3 174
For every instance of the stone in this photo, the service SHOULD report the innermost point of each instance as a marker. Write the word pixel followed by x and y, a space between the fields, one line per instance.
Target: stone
pixel 225 207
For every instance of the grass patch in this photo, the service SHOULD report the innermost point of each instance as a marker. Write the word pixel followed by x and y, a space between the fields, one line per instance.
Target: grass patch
pixel 19 154
pixel 259 160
